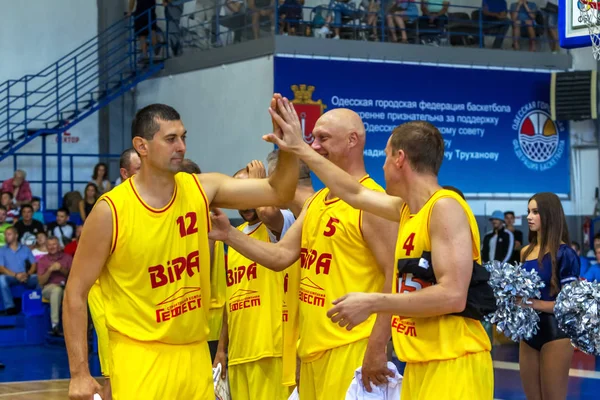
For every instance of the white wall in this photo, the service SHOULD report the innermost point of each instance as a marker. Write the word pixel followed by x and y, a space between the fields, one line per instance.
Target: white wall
pixel 52 30
pixel 224 110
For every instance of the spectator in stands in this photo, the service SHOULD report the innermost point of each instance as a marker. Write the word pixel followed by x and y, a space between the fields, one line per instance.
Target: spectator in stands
pixel 523 12
pixel 62 228
pixel 494 16
pixel 89 199
pixel 12 212
pixel 205 12
pixel 290 15
pixel 584 262
pixel 3 225
pixel 18 187
pixel 53 270
pixel 498 244
pixel 173 12
pixel 233 17
pixel 40 249
pixel 100 178
pixel 129 165
pixel 551 19
pixel 17 267
pixel 436 11
pixel 28 227
pixel 509 218
pixel 144 15
pixel 592 253
pixel 400 12
pixel 592 273
pixel 37 214
pixel 258 9
pixel 71 248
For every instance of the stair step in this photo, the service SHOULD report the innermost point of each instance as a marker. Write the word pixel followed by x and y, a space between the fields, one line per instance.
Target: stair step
pixel 12 337
pixel 12 321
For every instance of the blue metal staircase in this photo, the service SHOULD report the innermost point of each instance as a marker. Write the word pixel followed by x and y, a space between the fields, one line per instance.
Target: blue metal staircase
pixel 72 88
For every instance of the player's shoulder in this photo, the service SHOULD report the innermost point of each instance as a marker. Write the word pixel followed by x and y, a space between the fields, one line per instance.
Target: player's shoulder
pixel 370 183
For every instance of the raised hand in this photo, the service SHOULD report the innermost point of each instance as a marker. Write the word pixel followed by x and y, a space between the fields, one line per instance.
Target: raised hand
pixel 220 225
pixel 256 170
pixel 289 136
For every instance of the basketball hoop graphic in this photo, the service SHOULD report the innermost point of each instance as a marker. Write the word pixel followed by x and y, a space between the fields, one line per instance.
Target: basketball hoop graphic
pixel 589 16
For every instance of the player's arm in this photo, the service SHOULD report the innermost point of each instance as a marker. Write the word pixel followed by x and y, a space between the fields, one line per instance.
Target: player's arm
pixel 380 235
pixel 272 218
pixel 278 189
pixel 275 256
pixel 337 180
pixel 452 258
pixel 221 355
pixel 92 252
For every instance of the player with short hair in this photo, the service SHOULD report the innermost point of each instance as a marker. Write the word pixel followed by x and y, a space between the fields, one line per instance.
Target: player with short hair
pixel 147 242
pixel 441 287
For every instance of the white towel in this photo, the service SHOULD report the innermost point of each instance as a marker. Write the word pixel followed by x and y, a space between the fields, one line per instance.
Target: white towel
pixel 391 391
pixel 221 385
pixel 294 395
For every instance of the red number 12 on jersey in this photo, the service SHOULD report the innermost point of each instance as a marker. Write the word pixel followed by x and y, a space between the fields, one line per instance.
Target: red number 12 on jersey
pixel 191 228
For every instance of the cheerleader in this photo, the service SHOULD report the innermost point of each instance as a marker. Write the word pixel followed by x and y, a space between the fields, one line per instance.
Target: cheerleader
pixel 545 359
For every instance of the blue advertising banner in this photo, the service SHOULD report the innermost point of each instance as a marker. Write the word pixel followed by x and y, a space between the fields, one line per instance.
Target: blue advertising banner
pixel 496 124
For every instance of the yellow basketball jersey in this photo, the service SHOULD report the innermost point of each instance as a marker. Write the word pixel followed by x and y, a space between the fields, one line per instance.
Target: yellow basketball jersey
pixel 291 287
pixel 218 288
pixel 254 305
pixel 335 260
pixel 435 338
pixel 158 273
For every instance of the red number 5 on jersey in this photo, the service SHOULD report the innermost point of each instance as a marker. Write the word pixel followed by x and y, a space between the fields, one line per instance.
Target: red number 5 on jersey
pixel 330 231
pixel 191 227
pixel 411 284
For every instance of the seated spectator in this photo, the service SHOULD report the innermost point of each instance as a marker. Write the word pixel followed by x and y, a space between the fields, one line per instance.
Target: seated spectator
pixel 89 199
pixel 290 15
pixel 591 254
pixel 339 9
pixel 3 225
pixel 53 270
pixel 71 248
pixel 100 178
pixel 18 187
pixel 523 13
pixel 62 228
pixel 37 214
pixel 12 212
pixel 258 9
pixel 233 18
pixel 372 7
pixel 28 227
pixel 17 267
pixel 495 21
pixel 399 13
pixel 584 262
pixel 40 248
pixel 436 11
pixel 129 165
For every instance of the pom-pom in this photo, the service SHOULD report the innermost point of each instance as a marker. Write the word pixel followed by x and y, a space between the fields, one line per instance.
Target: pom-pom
pixel 576 310
pixel 509 283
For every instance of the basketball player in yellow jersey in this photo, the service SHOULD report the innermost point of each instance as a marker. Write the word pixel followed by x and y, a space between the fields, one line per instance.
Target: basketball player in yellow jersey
pixel 147 242
pixel 254 296
pixel 442 288
pixel 340 249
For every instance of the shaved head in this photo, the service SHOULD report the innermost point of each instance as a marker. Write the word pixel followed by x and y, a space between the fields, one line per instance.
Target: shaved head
pixel 241 174
pixel 340 137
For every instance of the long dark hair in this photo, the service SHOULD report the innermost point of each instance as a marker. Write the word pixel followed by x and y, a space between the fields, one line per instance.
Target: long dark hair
pixel 553 229
pixel 97 167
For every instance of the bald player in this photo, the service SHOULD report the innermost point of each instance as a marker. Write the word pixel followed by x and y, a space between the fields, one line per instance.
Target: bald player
pixel 129 165
pixel 147 241
pixel 341 249
pixel 441 288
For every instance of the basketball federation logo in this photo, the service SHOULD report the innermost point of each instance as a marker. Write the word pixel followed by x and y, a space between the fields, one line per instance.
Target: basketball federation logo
pixel 308 110
pixel 538 144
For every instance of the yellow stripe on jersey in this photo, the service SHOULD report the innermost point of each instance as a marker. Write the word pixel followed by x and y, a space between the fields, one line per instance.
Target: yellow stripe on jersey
pixel 254 305
pixel 157 277
pixel 435 338
pixel 335 260
pixel 218 285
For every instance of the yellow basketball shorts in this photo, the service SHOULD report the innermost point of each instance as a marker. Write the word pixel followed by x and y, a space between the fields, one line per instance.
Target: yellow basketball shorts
pixel 329 376
pixel 467 377
pixel 159 371
pixel 258 380
pixel 96 304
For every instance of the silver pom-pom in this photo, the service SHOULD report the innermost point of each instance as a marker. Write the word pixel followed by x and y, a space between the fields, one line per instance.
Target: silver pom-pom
pixel 511 282
pixel 576 311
